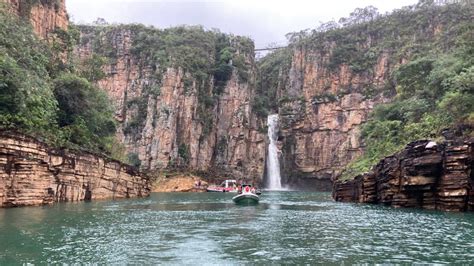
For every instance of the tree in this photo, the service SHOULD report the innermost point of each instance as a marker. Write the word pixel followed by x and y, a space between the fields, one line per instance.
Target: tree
pixel 360 15
pixel 84 111
pixel 91 68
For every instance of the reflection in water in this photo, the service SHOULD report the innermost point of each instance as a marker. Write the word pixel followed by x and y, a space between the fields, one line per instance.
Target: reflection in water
pixel 207 228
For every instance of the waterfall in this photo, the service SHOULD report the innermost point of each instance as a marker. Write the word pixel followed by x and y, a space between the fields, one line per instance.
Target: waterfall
pixel 273 166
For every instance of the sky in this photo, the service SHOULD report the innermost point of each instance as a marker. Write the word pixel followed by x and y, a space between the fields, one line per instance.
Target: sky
pixel 265 21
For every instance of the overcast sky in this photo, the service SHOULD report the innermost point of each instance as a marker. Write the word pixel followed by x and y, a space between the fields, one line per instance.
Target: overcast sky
pixel 265 21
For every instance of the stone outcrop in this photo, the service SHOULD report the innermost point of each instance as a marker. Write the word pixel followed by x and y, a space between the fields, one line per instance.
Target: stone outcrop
pixel 179 183
pixel 331 86
pixel 45 15
pixel 231 145
pixel 31 173
pixel 424 175
pixel 320 130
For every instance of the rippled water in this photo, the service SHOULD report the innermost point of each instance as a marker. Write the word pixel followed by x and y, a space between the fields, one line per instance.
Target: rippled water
pixel 207 228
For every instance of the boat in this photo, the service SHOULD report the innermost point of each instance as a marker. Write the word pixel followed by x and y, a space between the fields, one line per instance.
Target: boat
pixel 226 186
pixel 246 195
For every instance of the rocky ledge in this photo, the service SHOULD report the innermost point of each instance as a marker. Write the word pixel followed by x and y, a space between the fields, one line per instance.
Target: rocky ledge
pixel 31 173
pixel 424 175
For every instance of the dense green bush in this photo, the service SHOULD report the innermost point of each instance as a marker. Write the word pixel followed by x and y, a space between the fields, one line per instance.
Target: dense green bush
pixel 183 153
pixel 40 94
pixel 133 159
pixel 271 78
pixel 27 101
pixel 84 109
pixel 92 68
pixel 434 93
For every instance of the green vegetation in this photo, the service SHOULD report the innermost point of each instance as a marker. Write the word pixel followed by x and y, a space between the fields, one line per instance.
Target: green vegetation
pixel 325 97
pixel 44 94
pixel 25 102
pixel 183 153
pixel 359 40
pixel 133 159
pixel 434 92
pixel 85 115
pixel 409 32
pixel 272 75
pixel 91 68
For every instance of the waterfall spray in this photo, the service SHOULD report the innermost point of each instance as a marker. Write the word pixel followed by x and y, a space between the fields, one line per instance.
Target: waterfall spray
pixel 273 166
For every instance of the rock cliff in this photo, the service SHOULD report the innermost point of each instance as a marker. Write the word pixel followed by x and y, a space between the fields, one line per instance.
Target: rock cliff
pixel 334 77
pixel 167 118
pixel 320 120
pixel 31 173
pixel 185 97
pixel 424 175
pixel 45 15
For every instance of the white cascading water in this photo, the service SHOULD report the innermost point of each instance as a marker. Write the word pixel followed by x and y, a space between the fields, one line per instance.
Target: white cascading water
pixel 273 166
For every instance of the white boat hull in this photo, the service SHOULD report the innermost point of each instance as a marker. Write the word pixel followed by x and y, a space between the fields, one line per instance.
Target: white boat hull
pixel 246 198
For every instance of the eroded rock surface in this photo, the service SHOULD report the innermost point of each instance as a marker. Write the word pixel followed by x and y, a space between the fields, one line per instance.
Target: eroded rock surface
pixel 231 144
pixel 33 174
pixel 423 175
pixel 45 16
pixel 320 125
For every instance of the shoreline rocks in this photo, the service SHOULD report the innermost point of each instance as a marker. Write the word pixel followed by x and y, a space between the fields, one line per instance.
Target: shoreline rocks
pixel 423 175
pixel 179 183
pixel 32 174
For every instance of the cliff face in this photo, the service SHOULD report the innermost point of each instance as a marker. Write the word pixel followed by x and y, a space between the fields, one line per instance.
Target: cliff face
pixel 33 174
pixel 168 127
pixel 424 175
pixel 45 15
pixel 320 130
pixel 334 79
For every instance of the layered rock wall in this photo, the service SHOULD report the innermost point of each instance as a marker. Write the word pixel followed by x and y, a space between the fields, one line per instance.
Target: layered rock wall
pixel 334 81
pixel 320 130
pixel 45 15
pixel 231 145
pixel 423 175
pixel 33 174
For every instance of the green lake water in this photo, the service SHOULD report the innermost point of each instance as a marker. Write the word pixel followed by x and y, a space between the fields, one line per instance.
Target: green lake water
pixel 207 228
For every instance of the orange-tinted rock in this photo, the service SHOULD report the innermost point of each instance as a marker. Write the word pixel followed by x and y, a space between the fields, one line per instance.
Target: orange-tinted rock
pixel 33 174
pixel 44 17
pixel 179 183
pixel 232 147
pixel 320 128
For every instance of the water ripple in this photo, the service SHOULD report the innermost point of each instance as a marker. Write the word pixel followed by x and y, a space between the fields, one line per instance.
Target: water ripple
pixel 207 228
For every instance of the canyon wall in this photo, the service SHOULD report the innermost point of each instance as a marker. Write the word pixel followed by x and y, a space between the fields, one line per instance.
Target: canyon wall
pixel 169 128
pixel 424 175
pixel 32 174
pixel 320 122
pixel 335 77
pixel 45 15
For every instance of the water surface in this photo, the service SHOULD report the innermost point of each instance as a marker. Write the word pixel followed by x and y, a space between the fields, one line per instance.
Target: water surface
pixel 207 228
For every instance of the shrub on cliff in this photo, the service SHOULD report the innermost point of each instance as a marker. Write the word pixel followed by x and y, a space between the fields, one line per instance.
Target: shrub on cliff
pixel 270 80
pixel 434 92
pixel 84 110
pixel 26 99
pixel 40 95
